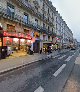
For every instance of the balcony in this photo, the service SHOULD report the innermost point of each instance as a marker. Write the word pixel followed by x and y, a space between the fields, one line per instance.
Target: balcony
pixel 26 4
pixel 43 9
pixel 19 19
pixel 36 3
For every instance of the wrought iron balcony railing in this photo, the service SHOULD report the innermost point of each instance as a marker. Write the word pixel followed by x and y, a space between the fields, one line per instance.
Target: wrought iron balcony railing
pixel 19 19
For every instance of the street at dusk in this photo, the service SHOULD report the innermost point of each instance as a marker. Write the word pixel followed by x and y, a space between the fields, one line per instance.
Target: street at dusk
pixel 39 46
pixel 43 74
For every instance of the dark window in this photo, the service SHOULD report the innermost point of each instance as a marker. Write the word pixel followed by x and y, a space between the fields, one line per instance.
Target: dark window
pixel 43 25
pixel 36 21
pixel 25 18
pixel 10 28
pixel 48 37
pixel 27 0
pixel 52 15
pixel 10 10
pixel 48 10
pixel 48 28
pixel 36 8
pixel 52 29
pixel 43 16
pixel 48 19
pixel 56 26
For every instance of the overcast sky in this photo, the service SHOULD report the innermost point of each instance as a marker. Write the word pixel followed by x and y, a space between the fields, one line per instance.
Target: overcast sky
pixel 70 12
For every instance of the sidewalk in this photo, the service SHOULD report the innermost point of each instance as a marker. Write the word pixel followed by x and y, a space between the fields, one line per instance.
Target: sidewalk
pixel 15 63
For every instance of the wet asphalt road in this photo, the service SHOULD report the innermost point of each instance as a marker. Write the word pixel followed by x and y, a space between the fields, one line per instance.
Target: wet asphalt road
pixel 39 74
pixel 73 83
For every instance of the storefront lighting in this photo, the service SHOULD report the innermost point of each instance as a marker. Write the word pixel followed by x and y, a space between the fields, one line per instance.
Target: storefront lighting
pixel 15 39
pixel 52 44
pixel 29 41
pixel 7 38
pixel 22 40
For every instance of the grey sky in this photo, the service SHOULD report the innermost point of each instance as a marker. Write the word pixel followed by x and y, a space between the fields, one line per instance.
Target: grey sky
pixel 70 11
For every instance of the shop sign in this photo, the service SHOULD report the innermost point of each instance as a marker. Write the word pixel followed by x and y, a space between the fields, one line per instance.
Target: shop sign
pixel 21 35
pixel 28 37
pixel 9 34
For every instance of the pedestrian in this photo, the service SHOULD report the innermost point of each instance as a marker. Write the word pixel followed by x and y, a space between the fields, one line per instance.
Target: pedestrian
pixel 45 50
pixel 40 50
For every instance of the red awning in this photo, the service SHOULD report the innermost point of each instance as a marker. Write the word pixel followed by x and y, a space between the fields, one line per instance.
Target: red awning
pixel 20 35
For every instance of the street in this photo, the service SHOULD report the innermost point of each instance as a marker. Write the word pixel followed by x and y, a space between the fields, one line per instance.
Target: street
pixel 49 75
pixel 73 83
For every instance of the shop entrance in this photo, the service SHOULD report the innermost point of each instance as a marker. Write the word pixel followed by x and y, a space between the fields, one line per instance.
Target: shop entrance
pixel 36 46
pixel 15 47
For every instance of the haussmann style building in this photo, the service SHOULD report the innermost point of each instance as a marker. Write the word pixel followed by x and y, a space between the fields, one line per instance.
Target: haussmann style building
pixel 34 23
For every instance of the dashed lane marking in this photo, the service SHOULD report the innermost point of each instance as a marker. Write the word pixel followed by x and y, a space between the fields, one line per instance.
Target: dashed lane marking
pixel 39 89
pixel 68 59
pixel 62 57
pixel 59 70
pixel 71 51
pixel 56 56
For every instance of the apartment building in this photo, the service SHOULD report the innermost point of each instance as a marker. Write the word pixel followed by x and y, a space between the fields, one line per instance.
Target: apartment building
pixel 33 23
pixel 64 34
pixel 27 23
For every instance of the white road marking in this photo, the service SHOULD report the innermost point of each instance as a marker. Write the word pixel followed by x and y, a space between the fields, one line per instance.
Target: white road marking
pixel 71 51
pixel 48 55
pixel 56 56
pixel 39 89
pixel 59 70
pixel 68 59
pixel 62 57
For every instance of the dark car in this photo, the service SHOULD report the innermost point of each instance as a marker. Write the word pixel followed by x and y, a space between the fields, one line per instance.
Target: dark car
pixel 73 48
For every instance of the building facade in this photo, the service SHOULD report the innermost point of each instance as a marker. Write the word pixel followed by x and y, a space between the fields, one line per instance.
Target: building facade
pixel 64 34
pixel 34 23
pixel 24 20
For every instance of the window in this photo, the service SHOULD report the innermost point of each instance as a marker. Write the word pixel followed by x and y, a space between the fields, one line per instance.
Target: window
pixel 36 21
pixel 48 19
pixel 36 8
pixel 43 25
pixel 52 29
pixel 25 18
pixel 52 15
pixel 48 28
pixel 56 26
pixel 10 28
pixel 43 16
pixel 27 0
pixel 48 38
pixel 56 18
pixel 10 10
pixel 48 10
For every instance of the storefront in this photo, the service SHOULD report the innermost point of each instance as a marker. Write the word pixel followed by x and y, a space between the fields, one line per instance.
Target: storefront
pixel 36 44
pixel 16 42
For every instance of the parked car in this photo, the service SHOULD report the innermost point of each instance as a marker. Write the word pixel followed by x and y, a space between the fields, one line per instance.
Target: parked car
pixel 73 48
